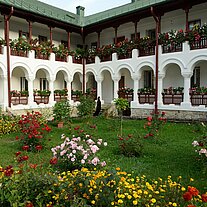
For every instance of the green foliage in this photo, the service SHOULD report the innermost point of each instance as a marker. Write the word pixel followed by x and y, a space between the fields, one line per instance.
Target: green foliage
pixel 121 104
pixel 130 145
pixel 86 106
pixel 61 111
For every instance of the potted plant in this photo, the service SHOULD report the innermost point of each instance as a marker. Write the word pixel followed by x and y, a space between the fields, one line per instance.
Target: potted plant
pixel 61 52
pixel 43 49
pixel 61 112
pixel 24 93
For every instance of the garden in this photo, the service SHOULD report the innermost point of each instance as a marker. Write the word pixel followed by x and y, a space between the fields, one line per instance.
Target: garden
pixel 101 161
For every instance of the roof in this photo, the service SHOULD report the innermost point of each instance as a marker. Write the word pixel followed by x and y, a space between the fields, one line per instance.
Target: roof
pixel 49 11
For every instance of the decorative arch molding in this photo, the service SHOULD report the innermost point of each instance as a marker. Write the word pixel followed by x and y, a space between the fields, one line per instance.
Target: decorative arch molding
pixel 139 68
pixel 24 67
pixel 91 70
pixel 65 71
pixel 106 68
pixel 44 68
pixel 78 70
pixel 3 69
pixel 125 66
pixel 195 60
pixel 172 61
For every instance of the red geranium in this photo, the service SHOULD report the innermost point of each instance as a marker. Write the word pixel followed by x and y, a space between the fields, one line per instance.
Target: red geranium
pixel 18 153
pixel 204 198
pixel 191 205
pixel 53 161
pixel 194 191
pixel 187 196
pixel 25 147
pixel 38 147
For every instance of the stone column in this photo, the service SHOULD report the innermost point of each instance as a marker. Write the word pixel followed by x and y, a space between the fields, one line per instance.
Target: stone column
pixel 116 86
pixel 187 76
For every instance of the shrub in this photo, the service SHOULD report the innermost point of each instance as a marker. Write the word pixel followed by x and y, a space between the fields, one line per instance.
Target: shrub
pixel 130 146
pixel 154 124
pixel 8 123
pixel 86 106
pixel 33 130
pixel 61 111
pixel 76 152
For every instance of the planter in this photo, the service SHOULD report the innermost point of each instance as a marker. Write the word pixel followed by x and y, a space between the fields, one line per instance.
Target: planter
pixel 41 99
pixel 58 98
pixel 148 98
pixel 125 95
pixel 16 100
pixel 105 58
pixel 20 53
pixel 174 98
pixel 60 58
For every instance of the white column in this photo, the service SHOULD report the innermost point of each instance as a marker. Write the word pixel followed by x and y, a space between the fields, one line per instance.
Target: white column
pixel 116 86
pixel 69 89
pixel 5 92
pixel 51 88
pixel 186 102
pixel 135 101
pixel 99 87
pixel 30 89
pixel 160 88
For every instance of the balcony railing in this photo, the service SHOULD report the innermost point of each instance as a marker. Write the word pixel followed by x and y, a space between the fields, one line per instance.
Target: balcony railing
pixel 77 60
pixel 20 53
pixel 125 56
pixel 39 55
pixel 172 98
pixel 174 47
pixel 199 44
pixel 60 58
pixel 144 98
pixel 106 58
pixel 147 51
pixel 198 99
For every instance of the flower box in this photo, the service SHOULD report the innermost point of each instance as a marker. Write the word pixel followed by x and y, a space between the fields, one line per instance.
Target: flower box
pixel 60 58
pixel 58 98
pixel 41 99
pixel 40 55
pixel 106 58
pixel 147 51
pixel 146 97
pixel 125 56
pixel 199 44
pixel 173 47
pixel 16 100
pixel 172 98
pixel 198 99
pixel 77 60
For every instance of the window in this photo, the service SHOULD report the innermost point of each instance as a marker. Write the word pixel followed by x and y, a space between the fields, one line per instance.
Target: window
pixel 195 79
pixel 24 34
pixel 120 39
pixel 133 36
pixel 191 24
pixel 23 84
pixel 148 79
pixel 122 82
pixel 151 33
pixel 43 84
pixel 65 84
pixel 93 45
pixel 42 39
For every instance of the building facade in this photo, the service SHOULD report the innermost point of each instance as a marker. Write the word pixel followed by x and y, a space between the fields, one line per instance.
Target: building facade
pixel 153 53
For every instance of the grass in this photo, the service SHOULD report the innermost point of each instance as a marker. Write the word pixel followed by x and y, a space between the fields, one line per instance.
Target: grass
pixel 171 154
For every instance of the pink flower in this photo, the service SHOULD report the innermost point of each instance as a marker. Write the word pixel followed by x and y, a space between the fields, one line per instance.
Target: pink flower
pixel 103 164
pixel 82 161
pixel 94 149
pixel 72 159
pixel 95 161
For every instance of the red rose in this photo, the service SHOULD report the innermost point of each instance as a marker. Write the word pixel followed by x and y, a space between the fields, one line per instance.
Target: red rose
pixel 25 147
pixel 149 118
pixel 38 147
pixel 204 198
pixel 53 161
pixel 193 191
pixel 18 153
pixel 25 157
pixel 187 196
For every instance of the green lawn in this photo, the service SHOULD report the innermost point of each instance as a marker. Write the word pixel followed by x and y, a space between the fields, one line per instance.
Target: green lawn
pixel 172 154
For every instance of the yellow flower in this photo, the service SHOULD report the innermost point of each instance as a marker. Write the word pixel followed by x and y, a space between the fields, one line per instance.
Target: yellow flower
pixel 129 197
pixel 93 202
pixel 153 200
pixel 135 202
pixel 120 201
pixel 174 204
pixel 191 179
pixel 118 168
pixel 112 203
pixel 183 189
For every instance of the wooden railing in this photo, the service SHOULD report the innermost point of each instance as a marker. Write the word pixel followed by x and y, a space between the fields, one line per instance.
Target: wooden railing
pixel 198 99
pixel 172 98
pixel 146 98
pixel 127 55
pixel 106 58
pixel 199 44
pixel 174 47
pixel 39 55
pixel 60 58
